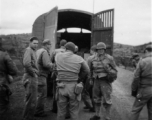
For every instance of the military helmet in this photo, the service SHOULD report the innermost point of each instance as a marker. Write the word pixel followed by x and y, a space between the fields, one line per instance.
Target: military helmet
pixel 63 42
pixel 101 45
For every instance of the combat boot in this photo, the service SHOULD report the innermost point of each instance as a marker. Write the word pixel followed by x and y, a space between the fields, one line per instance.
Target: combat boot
pixel 95 118
pixel 107 112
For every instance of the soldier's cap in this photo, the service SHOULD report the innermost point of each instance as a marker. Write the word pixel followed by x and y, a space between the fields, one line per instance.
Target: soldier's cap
pixel 46 41
pixel 70 46
pixel 134 55
pixel 149 47
pixel 63 42
pixel 94 47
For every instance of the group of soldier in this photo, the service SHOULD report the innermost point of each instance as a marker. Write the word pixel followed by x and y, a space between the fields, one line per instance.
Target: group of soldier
pixel 73 78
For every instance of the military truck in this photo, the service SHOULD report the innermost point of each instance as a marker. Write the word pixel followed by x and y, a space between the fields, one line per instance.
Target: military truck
pixel 100 25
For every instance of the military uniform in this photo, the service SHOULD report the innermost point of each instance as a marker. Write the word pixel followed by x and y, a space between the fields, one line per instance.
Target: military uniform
pixel 87 93
pixel 45 66
pixel 54 74
pixel 7 67
pixel 143 82
pixel 30 80
pixel 102 88
pixel 68 67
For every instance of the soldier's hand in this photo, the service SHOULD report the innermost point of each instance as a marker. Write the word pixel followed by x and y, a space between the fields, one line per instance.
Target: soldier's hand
pixel 91 82
pixel 53 66
pixel 35 75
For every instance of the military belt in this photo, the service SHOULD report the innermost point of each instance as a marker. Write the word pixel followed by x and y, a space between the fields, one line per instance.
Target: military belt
pixel 101 78
pixel 64 81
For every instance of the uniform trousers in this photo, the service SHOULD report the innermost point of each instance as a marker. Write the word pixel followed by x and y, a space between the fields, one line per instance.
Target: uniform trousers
pixel 31 97
pixel 67 101
pixel 144 97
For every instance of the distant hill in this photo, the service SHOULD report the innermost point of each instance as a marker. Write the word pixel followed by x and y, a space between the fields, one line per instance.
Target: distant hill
pixel 141 48
pixel 122 50
pixel 12 41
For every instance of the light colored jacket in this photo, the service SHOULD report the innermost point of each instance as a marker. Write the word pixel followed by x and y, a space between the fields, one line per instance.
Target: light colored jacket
pixel 44 62
pixel 29 62
pixel 56 51
pixel 69 65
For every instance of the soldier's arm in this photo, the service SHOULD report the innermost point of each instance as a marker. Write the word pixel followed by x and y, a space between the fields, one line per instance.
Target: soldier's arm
pixel 136 78
pixel 46 61
pixel 53 57
pixel 10 65
pixel 112 62
pixel 85 71
pixel 89 62
pixel 27 62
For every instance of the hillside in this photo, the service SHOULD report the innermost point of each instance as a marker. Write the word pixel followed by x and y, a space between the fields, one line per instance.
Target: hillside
pixel 122 50
pixel 9 40
pixel 16 43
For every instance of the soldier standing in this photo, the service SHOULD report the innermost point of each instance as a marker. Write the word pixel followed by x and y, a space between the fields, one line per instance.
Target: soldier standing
pixel 102 89
pixel 30 78
pixel 87 93
pixel 7 68
pixel 135 59
pixel 54 73
pixel 143 82
pixel 45 66
pixel 61 49
pixel 68 68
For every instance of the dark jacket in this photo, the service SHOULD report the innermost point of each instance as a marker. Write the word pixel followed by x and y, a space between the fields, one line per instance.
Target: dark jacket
pixel 143 72
pixel 7 67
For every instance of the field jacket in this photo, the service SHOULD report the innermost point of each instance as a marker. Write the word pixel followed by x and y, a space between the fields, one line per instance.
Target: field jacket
pixel 143 72
pixel 97 67
pixel 7 67
pixel 29 62
pixel 70 65
pixel 44 62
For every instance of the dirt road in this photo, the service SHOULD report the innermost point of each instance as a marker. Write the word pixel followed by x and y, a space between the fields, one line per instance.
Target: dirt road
pixel 122 101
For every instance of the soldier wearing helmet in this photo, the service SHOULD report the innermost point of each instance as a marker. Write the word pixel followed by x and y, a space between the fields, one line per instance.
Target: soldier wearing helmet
pixel 102 89
pixel 143 83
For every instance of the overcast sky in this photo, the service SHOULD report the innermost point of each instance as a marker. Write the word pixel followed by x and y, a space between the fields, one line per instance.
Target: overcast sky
pixel 132 17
